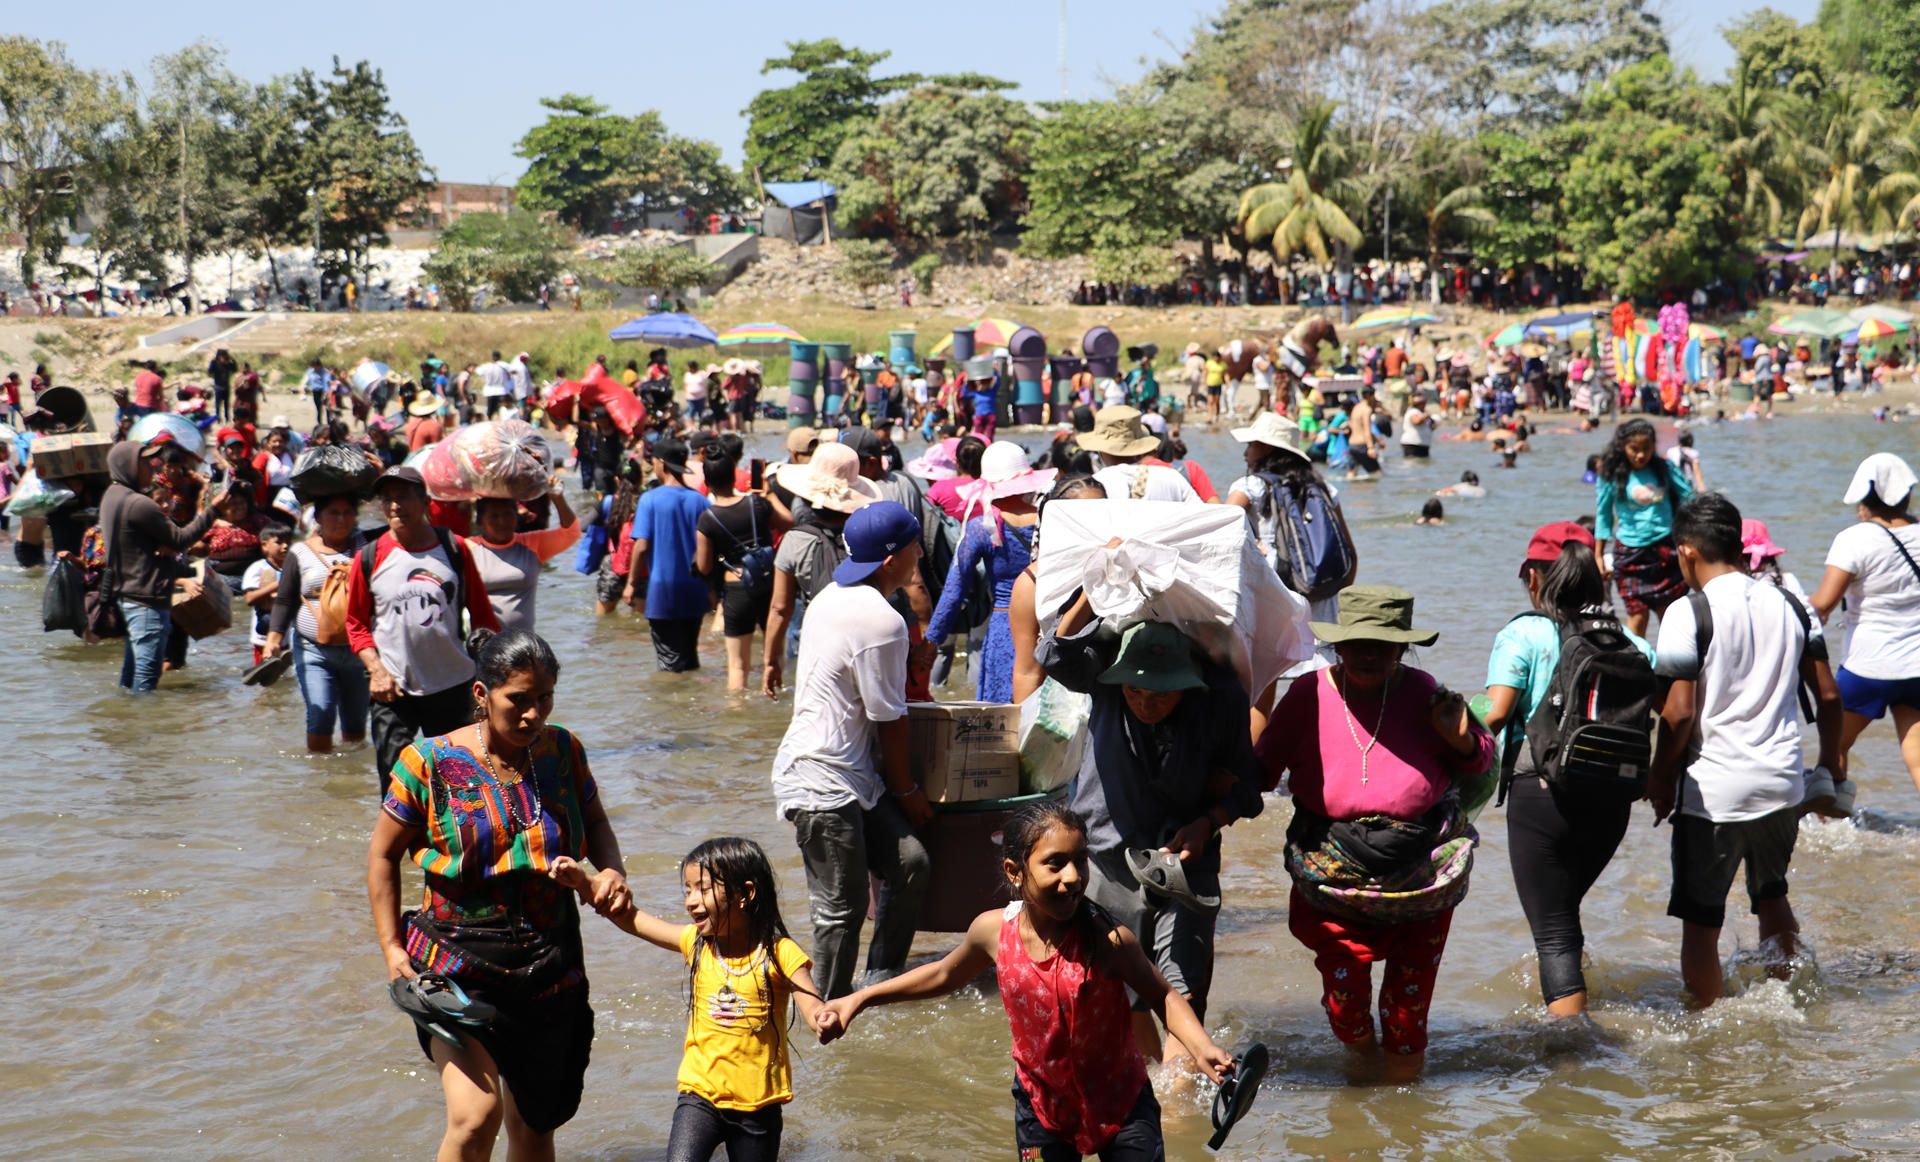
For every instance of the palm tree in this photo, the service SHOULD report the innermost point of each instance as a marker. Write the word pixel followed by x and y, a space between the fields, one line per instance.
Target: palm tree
pixel 1441 185
pixel 1752 131
pixel 1895 193
pixel 1302 210
pixel 1841 141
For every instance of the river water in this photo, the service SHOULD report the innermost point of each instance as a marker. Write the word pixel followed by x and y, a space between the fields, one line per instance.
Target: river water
pixel 191 970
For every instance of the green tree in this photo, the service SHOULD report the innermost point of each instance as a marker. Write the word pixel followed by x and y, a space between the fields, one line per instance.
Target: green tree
pixel 666 269
pixel 1752 134
pixel 1648 206
pixel 515 253
pixel 794 132
pixel 1527 63
pixel 56 119
pixel 195 136
pixel 1879 35
pixel 865 265
pixel 1774 52
pixel 587 166
pixel 1837 146
pixel 938 162
pixel 1440 189
pixel 580 160
pixel 1302 211
pixel 1522 192
pixel 1101 179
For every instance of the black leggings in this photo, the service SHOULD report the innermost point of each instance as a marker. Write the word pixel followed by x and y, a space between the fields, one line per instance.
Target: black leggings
pixel 1559 845
pixel 700 1128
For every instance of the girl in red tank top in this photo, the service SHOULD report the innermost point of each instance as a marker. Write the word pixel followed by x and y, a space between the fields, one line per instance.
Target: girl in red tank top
pixel 1064 969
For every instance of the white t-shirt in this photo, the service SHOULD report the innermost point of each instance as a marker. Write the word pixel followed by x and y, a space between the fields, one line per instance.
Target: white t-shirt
pixel 1883 602
pixel 520 378
pixel 259 573
pixel 696 384
pixel 493 379
pixel 1161 483
pixel 1744 759
pixel 852 675
pixel 1418 434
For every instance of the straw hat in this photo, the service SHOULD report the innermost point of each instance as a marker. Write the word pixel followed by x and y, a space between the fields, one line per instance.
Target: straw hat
pixel 1274 430
pixel 1193 349
pixel 1117 431
pixel 1374 613
pixel 426 404
pixel 831 480
pixel 732 367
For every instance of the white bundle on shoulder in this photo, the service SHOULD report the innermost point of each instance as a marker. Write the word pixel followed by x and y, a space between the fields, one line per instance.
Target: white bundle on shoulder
pixel 1195 566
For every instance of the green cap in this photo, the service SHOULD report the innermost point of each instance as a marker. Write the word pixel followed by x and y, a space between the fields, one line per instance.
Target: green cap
pixel 1155 656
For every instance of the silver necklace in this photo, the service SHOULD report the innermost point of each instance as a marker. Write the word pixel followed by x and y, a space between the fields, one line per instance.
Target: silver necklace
pixel 533 790
pixel 1353 732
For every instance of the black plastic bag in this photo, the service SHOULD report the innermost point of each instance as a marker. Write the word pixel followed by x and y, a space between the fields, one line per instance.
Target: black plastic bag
pixel 333 470
pixel 63 604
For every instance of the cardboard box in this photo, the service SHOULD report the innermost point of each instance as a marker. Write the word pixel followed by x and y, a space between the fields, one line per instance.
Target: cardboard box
pixel 963 752
pixel 79 454
pixel 208 613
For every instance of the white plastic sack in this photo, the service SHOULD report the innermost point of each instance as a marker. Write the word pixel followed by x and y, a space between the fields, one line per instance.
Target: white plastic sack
pixel 367 375
pixel 1053 737
pixel 1195 566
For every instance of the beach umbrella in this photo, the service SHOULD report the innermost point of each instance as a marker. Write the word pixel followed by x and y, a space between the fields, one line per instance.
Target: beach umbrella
pixel 1560 326
pixel 1705 334
pixel 1901 320
pixel 1509 336
pixel 774 336
pixel 1814 323
pixel 1400 316
pixel 987 334
pixel 1874 329
pixel 668 329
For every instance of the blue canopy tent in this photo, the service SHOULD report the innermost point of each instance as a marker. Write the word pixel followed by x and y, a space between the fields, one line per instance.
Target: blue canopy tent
pixel 1560 326
pixel 667 329
pixel 799 211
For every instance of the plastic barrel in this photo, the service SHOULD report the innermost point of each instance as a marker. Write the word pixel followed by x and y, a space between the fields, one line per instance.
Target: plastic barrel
pixel 837 355
pixel 962 344
pixel 808 353
pixel 806 369
pixel 868 375
pixel 1027 343
pixel 1102 348
pixel 834 402
pixel 900 347
pixel 799 411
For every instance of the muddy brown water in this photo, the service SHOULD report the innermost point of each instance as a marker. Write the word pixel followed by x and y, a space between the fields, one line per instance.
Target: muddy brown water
pixel 190 971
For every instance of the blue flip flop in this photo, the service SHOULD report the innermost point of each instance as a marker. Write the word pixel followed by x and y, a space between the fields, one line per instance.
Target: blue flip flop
pixel 1237 1092
pixel 439 1005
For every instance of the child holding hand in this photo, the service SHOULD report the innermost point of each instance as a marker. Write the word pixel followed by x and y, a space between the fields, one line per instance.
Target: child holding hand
pixel 1064 968
pixel 742 969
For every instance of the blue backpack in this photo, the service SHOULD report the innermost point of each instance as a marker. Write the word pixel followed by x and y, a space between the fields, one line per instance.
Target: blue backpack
pixel 1313 551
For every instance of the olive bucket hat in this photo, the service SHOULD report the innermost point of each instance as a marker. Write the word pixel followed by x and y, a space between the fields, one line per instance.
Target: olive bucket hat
pixel 1375 613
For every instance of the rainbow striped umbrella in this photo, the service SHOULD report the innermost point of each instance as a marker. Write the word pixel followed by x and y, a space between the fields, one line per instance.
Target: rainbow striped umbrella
pixel 1879 329
pixel 770 335
pixel 1401 316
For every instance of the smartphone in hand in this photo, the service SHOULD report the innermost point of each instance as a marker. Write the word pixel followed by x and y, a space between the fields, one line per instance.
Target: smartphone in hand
pixel 756 474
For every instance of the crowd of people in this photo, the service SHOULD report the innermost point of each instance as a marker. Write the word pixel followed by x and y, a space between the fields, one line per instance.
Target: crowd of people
pixel 869 577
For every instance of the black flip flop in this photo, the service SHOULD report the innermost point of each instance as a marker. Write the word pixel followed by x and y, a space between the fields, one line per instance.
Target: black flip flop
pixel 446 999
pixel 407 1000
pixel 269 671
pixel 1237 1092
pixel 1163 873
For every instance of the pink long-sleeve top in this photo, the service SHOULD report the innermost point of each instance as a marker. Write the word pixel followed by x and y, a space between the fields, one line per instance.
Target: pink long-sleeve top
pixel 1408 770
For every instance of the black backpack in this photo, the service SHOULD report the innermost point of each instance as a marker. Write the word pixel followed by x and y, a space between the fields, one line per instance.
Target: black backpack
pixel 1313 551
pixel 1593 732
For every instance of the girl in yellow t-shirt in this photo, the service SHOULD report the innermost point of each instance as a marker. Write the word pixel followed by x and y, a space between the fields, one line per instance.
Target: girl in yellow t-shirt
pixel 742 969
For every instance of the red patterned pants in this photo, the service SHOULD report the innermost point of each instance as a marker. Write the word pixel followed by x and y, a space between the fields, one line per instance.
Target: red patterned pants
pixel 1345 952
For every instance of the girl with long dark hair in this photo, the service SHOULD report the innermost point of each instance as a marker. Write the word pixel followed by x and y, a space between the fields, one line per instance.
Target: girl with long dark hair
pixel 1635 498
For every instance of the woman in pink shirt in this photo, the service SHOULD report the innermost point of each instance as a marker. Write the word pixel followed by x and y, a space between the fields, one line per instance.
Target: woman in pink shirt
pixel 1379 848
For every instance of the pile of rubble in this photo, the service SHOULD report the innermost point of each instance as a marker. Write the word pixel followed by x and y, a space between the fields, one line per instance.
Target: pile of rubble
pixel 785 272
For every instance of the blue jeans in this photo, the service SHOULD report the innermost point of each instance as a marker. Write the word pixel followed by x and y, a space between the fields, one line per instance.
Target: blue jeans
pixel 334 684
pixel 146 648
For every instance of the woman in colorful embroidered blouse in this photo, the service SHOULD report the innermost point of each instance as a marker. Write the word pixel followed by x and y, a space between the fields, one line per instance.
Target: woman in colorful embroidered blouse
pixel 485 811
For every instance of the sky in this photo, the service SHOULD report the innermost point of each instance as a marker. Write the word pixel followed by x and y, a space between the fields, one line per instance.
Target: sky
pixel 468 78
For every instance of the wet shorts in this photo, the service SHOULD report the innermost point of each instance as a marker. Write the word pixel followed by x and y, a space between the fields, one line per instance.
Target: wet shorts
pixel 743 609
pixel 1707 856
pixel 608 585
pixel 1138 1140
pixel 1870 697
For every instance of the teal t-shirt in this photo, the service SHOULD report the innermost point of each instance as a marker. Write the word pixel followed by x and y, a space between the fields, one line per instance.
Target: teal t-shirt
pixel 1640 514
pixel 1524 655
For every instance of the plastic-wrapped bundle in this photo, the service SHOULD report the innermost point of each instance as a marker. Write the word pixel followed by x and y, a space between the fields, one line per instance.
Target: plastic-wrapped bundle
pixel 333 470
pixel 35 497
pixel 161 426
pixel 500 459
pixel 367 375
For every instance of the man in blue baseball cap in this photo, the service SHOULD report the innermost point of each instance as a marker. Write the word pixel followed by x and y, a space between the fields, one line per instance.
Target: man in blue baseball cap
pixel 840 775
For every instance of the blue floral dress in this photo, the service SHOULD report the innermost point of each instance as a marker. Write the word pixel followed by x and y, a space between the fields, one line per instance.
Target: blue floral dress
pixel 1005 561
